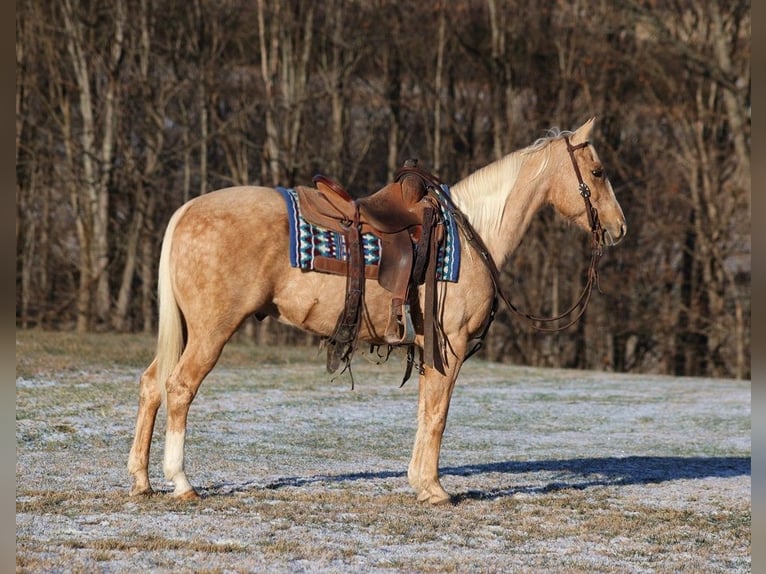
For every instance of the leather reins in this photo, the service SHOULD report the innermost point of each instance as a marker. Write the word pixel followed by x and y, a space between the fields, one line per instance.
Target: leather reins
pixel 597 243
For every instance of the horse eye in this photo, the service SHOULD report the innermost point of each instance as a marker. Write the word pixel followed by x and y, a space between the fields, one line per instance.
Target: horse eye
pixel 598 173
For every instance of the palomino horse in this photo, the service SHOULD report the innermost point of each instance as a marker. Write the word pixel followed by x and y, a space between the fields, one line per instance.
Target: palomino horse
pixel 225 257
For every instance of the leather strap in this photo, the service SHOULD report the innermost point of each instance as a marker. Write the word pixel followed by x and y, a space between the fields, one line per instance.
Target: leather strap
pixel 434 348
pixel 344 340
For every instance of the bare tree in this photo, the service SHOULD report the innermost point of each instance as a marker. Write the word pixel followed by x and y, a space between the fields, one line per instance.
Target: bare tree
pixel 286 41
pixel 708 81
pixel 89 141
pixel 150 91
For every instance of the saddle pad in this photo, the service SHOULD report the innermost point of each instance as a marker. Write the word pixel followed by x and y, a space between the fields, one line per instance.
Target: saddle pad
pixel 307 241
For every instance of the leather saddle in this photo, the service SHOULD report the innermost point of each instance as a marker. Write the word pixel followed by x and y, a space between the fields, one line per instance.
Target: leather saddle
pixel 405 219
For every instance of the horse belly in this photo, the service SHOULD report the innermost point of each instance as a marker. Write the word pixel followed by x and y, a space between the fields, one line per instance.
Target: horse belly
pixel 313 301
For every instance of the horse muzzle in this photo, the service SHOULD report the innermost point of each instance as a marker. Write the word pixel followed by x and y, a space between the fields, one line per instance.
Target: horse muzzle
pixel 614 234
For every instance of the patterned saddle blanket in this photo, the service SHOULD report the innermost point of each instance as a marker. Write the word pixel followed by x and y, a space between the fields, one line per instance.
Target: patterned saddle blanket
pixel 309 242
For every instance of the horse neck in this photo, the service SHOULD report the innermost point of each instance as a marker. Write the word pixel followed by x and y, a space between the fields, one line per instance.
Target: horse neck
pixel 501 199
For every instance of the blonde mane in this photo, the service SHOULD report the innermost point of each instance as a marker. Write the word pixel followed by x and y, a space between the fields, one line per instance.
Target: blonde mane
pixel 483 195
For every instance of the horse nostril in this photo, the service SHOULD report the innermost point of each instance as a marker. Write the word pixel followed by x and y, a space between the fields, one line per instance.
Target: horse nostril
pixel 622 233
pixel 617 236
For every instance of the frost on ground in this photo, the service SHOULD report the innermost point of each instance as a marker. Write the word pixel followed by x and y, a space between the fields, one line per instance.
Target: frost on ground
pixel 551 470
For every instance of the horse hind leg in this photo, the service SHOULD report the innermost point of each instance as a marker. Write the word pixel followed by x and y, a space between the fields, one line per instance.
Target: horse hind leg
pixel 149 402
pixel 197 360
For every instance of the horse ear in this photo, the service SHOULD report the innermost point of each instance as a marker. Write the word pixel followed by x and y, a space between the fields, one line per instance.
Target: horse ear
pixel 582 133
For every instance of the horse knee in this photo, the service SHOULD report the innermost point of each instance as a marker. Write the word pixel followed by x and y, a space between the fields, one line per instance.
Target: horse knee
pixel 433 423
pixel 197 361
pixel 179 394
pixel 150 395
pixel 181 386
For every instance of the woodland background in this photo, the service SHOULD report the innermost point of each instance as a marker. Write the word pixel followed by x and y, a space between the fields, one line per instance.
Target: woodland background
pixel 127 108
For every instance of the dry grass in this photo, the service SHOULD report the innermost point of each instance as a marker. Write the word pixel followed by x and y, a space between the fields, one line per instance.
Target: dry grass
pixel 552 470
pixel 566 531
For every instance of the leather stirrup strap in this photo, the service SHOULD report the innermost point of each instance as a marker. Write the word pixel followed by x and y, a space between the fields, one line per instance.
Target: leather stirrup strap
pixel 343 341
pixel 422 247
pixel 433 342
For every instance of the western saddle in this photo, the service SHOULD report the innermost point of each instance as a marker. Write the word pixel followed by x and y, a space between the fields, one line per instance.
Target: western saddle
pixel 406 218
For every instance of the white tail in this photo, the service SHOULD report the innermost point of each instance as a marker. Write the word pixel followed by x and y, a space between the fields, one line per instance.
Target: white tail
pixel 170 342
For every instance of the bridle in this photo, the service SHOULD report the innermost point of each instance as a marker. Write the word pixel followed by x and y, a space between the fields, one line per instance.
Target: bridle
pixel 596 230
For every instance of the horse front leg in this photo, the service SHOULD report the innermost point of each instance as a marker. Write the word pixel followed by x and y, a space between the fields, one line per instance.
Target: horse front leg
pixel 434 394
pixel 149 402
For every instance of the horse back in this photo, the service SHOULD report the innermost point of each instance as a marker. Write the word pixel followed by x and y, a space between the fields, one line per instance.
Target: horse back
pixel 230 256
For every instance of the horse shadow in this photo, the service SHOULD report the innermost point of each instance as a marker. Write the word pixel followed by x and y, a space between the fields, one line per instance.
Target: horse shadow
pixel 573 473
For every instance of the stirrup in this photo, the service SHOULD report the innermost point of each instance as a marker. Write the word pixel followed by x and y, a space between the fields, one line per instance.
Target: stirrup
pixel 399 330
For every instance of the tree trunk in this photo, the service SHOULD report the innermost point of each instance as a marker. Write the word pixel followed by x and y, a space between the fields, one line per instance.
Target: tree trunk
pixel 392 85
pixel 148 257
pixel 269 48
pixel 203 135
pixel 122 305
pixel 294 86
pixel 438 81
pixel 335 82
pixel 501 93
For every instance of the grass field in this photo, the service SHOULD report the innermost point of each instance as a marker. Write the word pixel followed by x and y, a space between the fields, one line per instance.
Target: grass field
pixel 551 470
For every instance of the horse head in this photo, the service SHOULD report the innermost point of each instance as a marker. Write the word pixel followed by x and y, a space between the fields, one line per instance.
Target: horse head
pixel 581 190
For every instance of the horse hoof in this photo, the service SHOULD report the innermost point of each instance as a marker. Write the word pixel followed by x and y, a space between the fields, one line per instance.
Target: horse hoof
pixel 141 491
pixel 435 499
pixel 188 495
